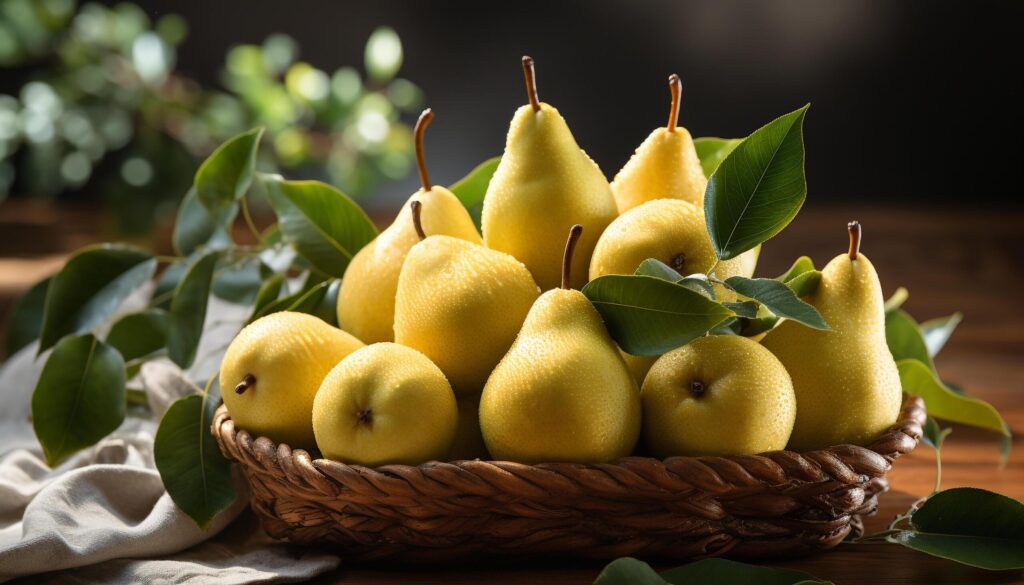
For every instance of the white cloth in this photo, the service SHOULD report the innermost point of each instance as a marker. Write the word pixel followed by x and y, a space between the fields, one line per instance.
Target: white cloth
pixel 104 512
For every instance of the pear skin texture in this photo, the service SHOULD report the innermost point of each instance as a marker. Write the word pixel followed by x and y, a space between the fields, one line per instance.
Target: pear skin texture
pixel 748 404
pixel 847 384
pixel 563 392
pixel 461 305
pixel 385 404
pixel 288 354
pixel 665 166
pixel 469 441
pixel 543 185
pixel 366 299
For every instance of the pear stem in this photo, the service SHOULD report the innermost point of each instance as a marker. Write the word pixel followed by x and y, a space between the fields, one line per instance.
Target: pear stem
pixel 854 228
pixel 531 82
pixel 247 382
pixel 675 85
pixel 570 246
pixel 421 165
pixel 417 222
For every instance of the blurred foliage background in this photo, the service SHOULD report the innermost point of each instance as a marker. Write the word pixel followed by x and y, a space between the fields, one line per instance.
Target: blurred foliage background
pixel 97 110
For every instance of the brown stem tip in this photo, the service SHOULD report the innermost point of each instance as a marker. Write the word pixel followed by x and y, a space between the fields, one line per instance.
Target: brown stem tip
pixel 531 82
pixel 570 245
pixel 421 127
pixel 417 221
pixel 675 85
pixel 697 388
pixel 247 382
pixel 854 228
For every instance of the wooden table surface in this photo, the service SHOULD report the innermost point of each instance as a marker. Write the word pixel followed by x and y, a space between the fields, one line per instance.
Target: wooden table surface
pixel 952 259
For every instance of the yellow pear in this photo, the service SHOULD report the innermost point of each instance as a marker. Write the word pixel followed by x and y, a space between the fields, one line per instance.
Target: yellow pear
pixel 665 166
pixel 469 441
pixel 544 184
pixel 718 395
pixel 847 384
pixel 385 404
pixel 366 299
pixel 461 305
pixel 563 391
pixel 638 365
pixel 272 370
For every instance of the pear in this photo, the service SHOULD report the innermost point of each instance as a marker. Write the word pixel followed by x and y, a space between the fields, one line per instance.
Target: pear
pixel 718 395
pixel 563 391
pixel 461 305
pixel 638 365
pixel 847 384
pixel 272 370
pixel 385 404
pixel 544 184
pixel 366 299
pixel 664 166
pixel 469 441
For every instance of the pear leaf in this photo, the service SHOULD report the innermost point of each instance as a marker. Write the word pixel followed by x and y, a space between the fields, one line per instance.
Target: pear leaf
pixel 933 435
pixel 759 187
pixel 26 318
pixel 629 571
pixel 800 266
pixel 226 175
pixel 238 281
pixel 188 310
pixel 805 283
pixel 936 332
pixel 197 226
pixel 712 151
pixel 650 316
pixel 80 396
pixel 746 309
pixel 904 338
pixel 919 379
pixel 896 300
pixel 139 334
pixel 971 526
pixel 658 269
pixel 325 226
pixel 779 299
pixel 269 292
pixel 471 189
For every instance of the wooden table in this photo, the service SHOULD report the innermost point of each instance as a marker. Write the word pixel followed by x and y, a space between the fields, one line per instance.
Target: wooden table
pixel 952 259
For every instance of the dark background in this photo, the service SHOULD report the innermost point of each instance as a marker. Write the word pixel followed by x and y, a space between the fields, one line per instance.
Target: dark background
pixel 913 101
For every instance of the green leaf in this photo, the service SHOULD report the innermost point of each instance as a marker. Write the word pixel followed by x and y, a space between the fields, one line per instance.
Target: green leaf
pixel 196 226
pixel 936 332
pixel 268 293
pixel 805 283
pixel 802 265
pixel 726 572
pixel 746 309
pixel 904 338
pixel 238 282
pixel 971 526
pixel 779 299
pixel 712 151
pixel 26 318
pixel 80 396
pixel 324 225
pixel 896 300
pixel 139 334
pixel 629 571
pixel 658 269
pixel 759 188
pixel 226 175
pixel 195 474
pixel 188 310
pixel 934 435
pixel 90 287
pixel 918 379
pixel 650 316
pixel 471 189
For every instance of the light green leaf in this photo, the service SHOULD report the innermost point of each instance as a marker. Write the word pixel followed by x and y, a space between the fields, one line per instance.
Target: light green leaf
pixel 383 54
pixel 90 287
pixel 188 310
pixel 759 188
pixel 195 474
pixel 936 332
pixel 918 379
pixel 904 338
pixel 471 189
pixel 800 266
pixel 934 435
pixel 197 226
pixel 80 396
pixel 650 316
pixel 324 225
pixel 805 283
pixel 226 175
pixel 779 299
pixel 970 526
pixel 26 318
pixel 896 300
pixel 712 151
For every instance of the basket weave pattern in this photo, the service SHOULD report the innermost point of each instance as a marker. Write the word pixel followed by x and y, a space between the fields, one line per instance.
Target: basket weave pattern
pixel 754 506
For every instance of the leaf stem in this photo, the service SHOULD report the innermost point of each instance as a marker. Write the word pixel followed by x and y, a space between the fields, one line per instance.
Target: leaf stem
pixel 713 266
pixel 247 215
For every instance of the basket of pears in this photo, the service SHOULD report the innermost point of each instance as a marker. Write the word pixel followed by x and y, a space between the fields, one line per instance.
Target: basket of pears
pixel 595 374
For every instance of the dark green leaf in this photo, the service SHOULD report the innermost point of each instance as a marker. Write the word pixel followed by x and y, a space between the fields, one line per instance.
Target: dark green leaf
pixel 226 175
pixel 896 300
pixel 324 225
pixel 195 474
pixel 758 188
pixel 726 572
pixel 90 287
pixel 712 151
pixel 27 317
pixel 801 265
pixel 471 189
pixel 747 309
pixel 267 294
pixel 918 379
pixel 936 332
pixel 316 297
pixel 649 316
pixel 934 435
pixel 80 396
pixel 188 310
pixel 238 282
pixel 196 226
pixel 904 338
pixel 779 298
pixel 169 280
pixel 968 525
pixel 629 571
pixel 139 334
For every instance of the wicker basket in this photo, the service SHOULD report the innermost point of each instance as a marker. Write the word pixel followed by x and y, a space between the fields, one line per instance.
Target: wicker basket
pixel 757 506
